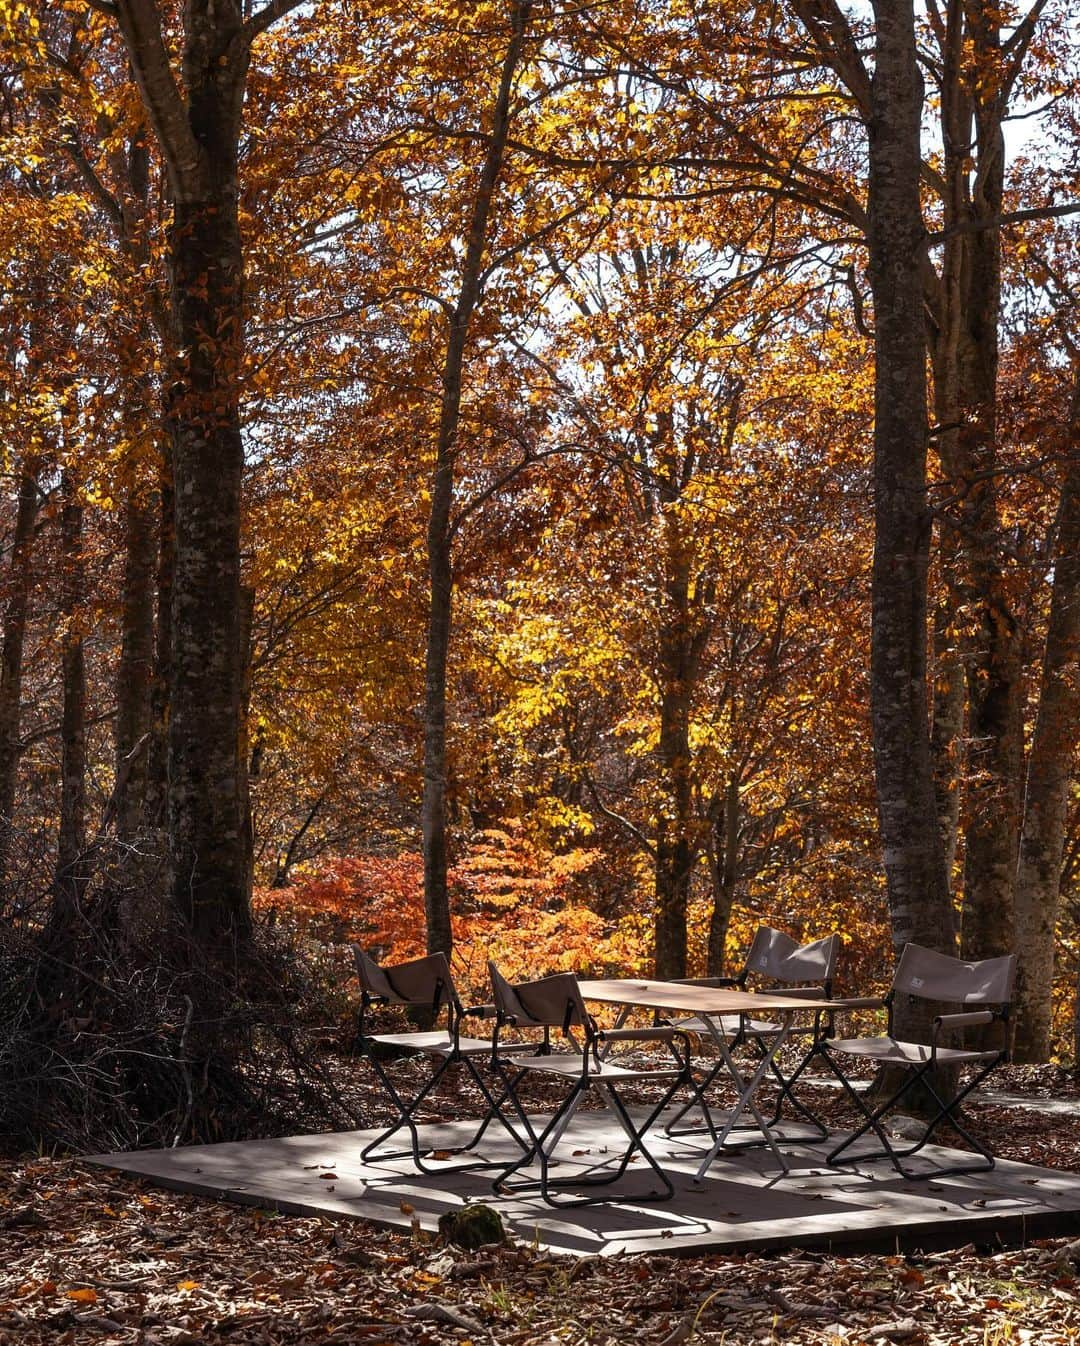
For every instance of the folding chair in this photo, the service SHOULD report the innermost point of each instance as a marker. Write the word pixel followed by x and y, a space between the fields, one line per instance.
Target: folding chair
pixel 425 983
pixel 926 975
pixel 776 960
pixel 555 1002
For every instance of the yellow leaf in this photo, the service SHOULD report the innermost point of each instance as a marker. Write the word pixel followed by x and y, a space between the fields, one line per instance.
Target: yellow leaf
pixel 82 1296
pixel 187 1285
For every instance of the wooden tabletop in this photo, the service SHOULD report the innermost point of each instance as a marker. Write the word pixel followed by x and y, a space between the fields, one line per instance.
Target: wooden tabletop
pixel 673 995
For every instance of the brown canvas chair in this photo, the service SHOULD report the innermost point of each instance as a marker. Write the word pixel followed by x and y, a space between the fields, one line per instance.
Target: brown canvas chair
pixel 423 984
pixel 984 989
pixel 775 962
pixel 556 1003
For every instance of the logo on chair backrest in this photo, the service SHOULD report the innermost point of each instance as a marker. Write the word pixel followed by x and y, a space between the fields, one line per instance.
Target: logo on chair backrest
pixel 916 981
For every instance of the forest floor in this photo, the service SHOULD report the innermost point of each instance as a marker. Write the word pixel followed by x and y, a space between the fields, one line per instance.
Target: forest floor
pixel 88 1257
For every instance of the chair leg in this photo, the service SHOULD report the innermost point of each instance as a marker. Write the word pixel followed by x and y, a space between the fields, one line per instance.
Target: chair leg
pixel 889 1151
pixel 548 1188
pixel 407 1111
pixel 698 1089
pixel 494 1110
pixel 787 1091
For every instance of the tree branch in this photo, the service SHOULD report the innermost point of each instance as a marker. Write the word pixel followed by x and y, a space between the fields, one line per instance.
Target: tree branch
pixel 140 25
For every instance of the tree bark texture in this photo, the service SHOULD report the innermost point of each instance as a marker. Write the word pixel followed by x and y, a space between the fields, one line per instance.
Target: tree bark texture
pixel 918 892
pixel 197 124
pixel 966 368
pixel 134 674
pixel 157 761
pixel 1050 773
pixel 724 868
pixel 71 844
pixel 440 529
pixel 17 595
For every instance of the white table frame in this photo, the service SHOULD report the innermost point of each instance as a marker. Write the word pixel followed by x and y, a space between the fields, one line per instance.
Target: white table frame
pixel 710 1004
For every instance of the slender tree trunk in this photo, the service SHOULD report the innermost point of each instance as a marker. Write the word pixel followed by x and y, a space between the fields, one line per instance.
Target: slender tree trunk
pixel 724 872
pixel 676 848
pixel 440 531
pixel 674 845
pixel 157 771
pixel 918 891
pixel 134 674
pixel 71 846
pixel 11 652
pixel 965 361
pixel 1050 768
pixel 995 681
pixel 946 736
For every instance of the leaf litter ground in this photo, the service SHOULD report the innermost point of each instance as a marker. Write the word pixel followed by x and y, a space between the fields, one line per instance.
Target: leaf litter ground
pixel 91 1258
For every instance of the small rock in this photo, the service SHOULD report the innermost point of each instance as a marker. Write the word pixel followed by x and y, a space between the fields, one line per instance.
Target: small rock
pixel 472 1226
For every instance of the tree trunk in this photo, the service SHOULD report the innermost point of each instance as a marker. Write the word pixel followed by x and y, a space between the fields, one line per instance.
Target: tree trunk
pixel 995 685
pixel 207 824
pixel 1050 767
pixel 724 865
pixel 914 862
pixel 11 652
pixel 946 734
pixel 134 674
pixel 157 769
pixel 71 845
pixel 440 530
pixel 965 360
pixel 676 850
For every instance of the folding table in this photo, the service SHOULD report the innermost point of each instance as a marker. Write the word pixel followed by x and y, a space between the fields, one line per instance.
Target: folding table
pixel 710 1002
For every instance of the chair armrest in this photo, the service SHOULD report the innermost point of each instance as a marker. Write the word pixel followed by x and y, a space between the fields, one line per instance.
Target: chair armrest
pixel 481 1012
pixel 658 1034
pixel 965 1020
pixel 858 1002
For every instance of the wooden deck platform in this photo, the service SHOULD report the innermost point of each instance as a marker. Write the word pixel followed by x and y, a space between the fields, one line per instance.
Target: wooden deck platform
pixel 743 1204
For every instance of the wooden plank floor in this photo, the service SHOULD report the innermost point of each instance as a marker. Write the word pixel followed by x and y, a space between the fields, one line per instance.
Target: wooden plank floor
pixel 743 1203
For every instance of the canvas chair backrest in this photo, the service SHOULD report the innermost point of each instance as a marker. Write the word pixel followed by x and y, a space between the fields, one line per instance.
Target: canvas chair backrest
pixel 935 976
pixel 551 1002
pixel 776 957
pixel 424 981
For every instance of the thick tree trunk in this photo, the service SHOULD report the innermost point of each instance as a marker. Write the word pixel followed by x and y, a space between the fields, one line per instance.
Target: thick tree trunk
pixel 207 821
pixel 71 844
pixel 914 861
pixel 134 674
pixel 17 587
pixel 1050 768
pixel 440 530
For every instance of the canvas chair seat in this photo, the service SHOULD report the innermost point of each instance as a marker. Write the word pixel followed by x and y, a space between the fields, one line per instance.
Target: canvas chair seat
pixel 434 1044
pixel 981 991
pixel 891 1051
pixel 562 1063
pixel 556 1003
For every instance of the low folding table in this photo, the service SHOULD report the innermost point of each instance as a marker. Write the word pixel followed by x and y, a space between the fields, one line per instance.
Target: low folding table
pixel 711 1003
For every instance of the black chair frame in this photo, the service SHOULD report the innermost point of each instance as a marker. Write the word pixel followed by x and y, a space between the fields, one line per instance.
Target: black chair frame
pixel 589 1076
pixel 443 998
